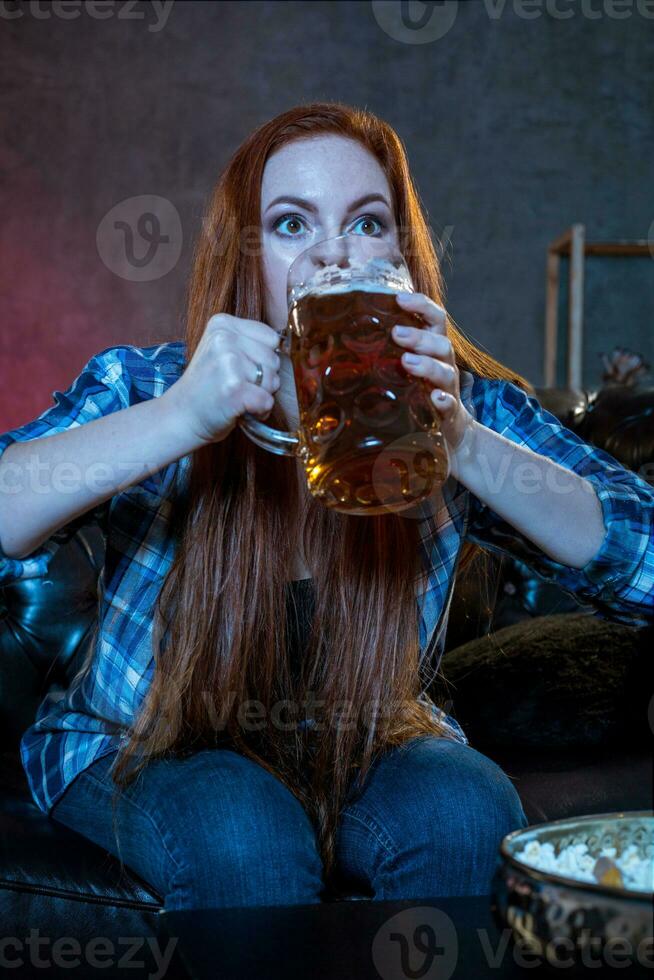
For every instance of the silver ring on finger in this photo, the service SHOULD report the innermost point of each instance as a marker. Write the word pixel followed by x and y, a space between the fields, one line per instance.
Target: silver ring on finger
pixel 259 377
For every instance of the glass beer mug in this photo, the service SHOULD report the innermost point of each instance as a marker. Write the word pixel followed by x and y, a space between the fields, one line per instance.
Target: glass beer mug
pixel 369 436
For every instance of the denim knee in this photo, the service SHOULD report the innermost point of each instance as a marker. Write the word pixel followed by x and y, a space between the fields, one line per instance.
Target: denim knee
pixel 430 821
pixel 454 786
pixel 211 829
pixel 241 837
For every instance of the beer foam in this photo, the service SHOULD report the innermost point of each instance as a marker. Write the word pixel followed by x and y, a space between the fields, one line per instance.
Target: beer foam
pixel 373 276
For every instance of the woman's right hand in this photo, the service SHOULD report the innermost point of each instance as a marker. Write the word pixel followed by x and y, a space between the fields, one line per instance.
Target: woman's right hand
pixel 218 384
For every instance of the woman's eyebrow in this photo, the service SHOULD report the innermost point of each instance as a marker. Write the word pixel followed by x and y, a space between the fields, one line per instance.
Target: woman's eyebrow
pixel 308 206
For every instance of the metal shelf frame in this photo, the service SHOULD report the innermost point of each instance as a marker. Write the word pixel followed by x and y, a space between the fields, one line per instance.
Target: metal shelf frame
pixel 573 244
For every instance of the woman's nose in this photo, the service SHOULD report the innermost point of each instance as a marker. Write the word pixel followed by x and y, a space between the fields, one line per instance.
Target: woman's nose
pixel 331 251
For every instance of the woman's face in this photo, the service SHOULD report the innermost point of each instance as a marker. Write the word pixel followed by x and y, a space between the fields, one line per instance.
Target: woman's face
pixel 331 174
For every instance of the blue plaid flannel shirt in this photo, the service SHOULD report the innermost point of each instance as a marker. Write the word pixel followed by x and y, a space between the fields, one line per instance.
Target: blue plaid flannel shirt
pixel 75 726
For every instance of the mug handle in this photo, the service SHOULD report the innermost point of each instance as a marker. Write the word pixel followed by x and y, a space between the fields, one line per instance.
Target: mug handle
pixel 274 440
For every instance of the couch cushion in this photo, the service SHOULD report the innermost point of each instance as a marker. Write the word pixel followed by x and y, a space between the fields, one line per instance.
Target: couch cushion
pixel 38 854
pixel 569 782
pixel 46 629
pixel 553 681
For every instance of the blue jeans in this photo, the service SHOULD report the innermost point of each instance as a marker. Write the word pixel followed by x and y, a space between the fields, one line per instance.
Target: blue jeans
pixel 216 829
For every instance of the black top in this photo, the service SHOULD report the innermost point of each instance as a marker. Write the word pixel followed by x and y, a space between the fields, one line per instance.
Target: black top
pixel 300 604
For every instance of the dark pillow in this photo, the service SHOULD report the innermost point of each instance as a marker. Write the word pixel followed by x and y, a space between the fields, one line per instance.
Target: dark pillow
pixel 552 681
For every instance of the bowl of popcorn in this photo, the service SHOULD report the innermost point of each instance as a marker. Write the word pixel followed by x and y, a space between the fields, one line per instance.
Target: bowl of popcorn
pixel 580 890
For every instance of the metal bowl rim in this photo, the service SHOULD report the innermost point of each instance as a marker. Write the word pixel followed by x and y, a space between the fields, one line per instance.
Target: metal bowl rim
pixel 576 883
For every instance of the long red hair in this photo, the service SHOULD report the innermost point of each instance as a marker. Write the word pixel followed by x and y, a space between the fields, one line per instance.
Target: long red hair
pixel 221 608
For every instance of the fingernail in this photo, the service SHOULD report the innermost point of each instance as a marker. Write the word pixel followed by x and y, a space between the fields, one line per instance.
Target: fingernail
pixel 405 295
pixel 411 358
pixel 402 331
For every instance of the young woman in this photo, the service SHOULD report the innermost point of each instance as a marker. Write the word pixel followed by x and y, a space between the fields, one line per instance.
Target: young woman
pixel 228 752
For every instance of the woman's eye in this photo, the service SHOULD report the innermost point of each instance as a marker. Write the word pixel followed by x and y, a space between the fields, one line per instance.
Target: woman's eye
pixel 370 219
pixel 294 221
pixel 291 219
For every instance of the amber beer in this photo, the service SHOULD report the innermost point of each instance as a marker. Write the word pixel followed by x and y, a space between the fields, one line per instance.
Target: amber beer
pixel 370 433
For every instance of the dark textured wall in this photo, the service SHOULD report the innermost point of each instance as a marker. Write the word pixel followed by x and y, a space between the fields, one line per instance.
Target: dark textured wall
pixel 519 120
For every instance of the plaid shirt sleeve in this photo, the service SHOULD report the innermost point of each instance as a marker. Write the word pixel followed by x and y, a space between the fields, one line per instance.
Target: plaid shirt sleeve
pixel 100 389
pixel 618 581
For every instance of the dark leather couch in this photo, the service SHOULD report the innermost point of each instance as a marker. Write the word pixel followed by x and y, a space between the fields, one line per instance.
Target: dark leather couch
pixel 54 880
pixel 559 697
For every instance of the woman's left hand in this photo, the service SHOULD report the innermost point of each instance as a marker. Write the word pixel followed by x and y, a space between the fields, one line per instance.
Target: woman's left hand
pixel 436 363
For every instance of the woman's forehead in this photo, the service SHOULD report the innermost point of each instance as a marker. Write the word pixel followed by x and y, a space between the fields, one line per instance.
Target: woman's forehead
pixel 316 169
